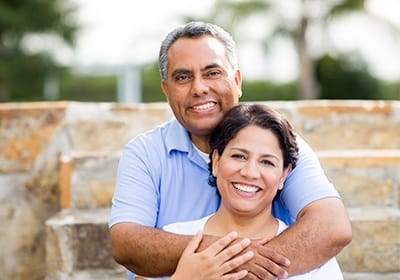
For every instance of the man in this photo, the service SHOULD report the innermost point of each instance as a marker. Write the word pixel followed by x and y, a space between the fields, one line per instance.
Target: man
pixel 163 174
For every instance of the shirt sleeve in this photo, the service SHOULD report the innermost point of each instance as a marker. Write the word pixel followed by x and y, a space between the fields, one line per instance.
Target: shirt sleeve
pixel 306 183
pixel 136 195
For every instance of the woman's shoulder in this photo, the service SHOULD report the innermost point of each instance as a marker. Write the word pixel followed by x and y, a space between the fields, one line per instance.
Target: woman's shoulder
pixel 188 227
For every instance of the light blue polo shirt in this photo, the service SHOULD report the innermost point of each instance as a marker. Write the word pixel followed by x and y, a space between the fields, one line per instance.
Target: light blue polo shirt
pixel 162 179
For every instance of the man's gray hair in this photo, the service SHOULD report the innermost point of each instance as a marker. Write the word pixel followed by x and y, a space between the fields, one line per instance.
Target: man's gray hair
pixel 196 30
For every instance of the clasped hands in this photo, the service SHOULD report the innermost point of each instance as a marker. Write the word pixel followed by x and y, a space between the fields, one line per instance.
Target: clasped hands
pixel 229 258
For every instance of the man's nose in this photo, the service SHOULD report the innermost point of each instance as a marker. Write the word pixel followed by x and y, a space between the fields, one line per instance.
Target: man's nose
pixel 199 86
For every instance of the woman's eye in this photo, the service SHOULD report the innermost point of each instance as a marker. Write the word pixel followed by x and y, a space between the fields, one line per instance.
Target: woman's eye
pixel 267 162
pixel 238 156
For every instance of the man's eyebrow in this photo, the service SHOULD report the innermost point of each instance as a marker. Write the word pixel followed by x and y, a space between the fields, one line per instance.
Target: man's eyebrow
pixel 186 71
pixel 211 66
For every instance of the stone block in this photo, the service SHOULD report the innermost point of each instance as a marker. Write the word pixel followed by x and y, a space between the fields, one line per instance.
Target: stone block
pixel 77 241
pixel 26 132
pixel 107 127
pixel 376 241
pixel 87 180
pixel 349 125
pixel 364 177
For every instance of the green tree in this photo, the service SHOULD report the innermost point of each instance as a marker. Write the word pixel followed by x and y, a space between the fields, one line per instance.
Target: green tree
pixel 230 14
pixel 23 71
pixel 346 78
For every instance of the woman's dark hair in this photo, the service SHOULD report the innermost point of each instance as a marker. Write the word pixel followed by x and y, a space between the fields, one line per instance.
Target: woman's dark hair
pixel 259 115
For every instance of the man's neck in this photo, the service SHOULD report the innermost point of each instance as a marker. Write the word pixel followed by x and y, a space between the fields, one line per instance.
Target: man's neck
pixel 201 143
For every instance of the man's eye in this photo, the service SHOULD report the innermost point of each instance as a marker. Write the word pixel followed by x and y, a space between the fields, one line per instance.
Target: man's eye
pixel 214 74
pixel 182 77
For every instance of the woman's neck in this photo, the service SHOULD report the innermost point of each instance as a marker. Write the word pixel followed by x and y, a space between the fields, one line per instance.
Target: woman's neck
pixel 254 227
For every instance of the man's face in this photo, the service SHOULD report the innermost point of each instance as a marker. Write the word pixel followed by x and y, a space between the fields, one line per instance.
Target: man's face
pixel 201 84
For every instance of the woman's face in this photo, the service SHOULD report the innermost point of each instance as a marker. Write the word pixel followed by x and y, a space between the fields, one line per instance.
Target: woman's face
pixel 250 171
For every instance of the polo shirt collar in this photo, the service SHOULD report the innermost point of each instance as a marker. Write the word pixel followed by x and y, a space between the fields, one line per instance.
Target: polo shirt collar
pixel 177 138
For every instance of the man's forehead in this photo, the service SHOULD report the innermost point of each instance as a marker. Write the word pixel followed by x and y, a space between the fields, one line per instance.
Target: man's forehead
pixel 205 41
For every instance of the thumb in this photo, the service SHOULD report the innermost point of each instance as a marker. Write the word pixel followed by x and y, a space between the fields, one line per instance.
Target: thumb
pixel 194 243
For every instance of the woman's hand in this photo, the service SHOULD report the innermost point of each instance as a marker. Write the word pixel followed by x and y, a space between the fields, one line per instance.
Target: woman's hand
pixel 215 262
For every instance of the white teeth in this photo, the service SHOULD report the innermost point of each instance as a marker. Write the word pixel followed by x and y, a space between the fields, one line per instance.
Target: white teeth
pixel 203 106
pixel 244 188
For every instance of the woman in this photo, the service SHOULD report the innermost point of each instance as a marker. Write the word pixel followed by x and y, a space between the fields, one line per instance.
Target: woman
pixel 253 150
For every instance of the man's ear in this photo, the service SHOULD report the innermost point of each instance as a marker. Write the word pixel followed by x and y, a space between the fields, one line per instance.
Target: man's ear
pixel 215 159
pixel 164 88
pixel 238 80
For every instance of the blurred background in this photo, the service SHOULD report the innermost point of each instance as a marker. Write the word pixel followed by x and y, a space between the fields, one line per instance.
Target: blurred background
pixel 106 51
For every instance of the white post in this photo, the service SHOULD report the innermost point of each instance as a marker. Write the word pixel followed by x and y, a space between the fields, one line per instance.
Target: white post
pixel 129 89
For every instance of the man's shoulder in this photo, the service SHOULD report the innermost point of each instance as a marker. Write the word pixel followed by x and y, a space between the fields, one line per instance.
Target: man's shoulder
pixel 157 134
pixel 161 140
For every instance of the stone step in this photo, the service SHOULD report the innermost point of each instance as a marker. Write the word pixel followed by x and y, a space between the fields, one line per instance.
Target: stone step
pixel 362 177
pixel 78 242
pixel 91 274
pixel 371 276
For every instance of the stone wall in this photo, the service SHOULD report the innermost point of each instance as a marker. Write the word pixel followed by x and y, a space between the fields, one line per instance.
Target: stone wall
pixel 64 155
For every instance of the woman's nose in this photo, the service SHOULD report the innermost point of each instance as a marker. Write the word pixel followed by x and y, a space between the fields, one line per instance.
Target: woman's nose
pixel 250 170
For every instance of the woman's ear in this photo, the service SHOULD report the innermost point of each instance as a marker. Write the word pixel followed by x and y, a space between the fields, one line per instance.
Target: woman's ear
pixel 285 173
pixel 215 160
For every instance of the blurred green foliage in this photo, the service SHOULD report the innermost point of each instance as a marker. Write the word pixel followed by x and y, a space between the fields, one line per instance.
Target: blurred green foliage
pixel 348 78
pixel 22 70
pixel 85 88
pixel 23 73
pixel 338 79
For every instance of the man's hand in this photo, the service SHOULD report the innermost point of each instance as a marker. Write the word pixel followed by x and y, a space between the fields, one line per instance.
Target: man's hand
pixel 266 263
pixel 216 261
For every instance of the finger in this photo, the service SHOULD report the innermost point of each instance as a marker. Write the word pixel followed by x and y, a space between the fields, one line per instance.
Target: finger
pixel 261 273
pixel 233 250
pixel 236 262
pixel 274 257
pixel 194 243
pixel 221 243
pixel 251 276
pixel 235 276
pixel 267 269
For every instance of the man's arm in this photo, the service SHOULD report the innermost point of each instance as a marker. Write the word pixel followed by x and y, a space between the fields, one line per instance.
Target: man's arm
pixel 151 252
pixel 321 231
pixel 145 250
